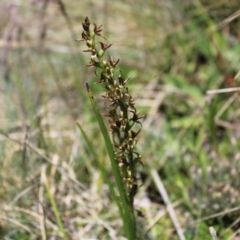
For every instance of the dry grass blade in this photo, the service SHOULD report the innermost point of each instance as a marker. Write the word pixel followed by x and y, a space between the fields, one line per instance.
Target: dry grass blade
pixel 34 215
pixel 17 223
pixel 226 90
pixel 170 209
pixel 215 215
pixel 213 233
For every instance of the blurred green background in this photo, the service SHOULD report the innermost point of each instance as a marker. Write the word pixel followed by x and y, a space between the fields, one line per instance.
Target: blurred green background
pixel 175 52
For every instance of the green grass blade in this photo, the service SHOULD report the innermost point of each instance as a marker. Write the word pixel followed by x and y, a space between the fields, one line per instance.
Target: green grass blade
pixel 129 220
pixel 102 169
pixel 56 212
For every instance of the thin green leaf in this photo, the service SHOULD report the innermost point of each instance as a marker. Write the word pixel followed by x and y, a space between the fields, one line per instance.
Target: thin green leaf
pixel 102 169
pixel 56 212
pixel 129 220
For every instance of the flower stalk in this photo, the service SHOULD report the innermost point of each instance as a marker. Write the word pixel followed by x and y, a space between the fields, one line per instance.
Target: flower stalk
pixel 123 117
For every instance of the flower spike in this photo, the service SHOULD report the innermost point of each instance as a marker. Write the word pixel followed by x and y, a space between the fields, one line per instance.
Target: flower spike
pixel 121 109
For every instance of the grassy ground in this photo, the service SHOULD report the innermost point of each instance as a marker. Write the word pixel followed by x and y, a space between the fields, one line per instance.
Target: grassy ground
pixel 175 53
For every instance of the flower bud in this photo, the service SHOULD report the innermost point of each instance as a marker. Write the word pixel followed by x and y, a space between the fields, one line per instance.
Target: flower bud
pixel 100 53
